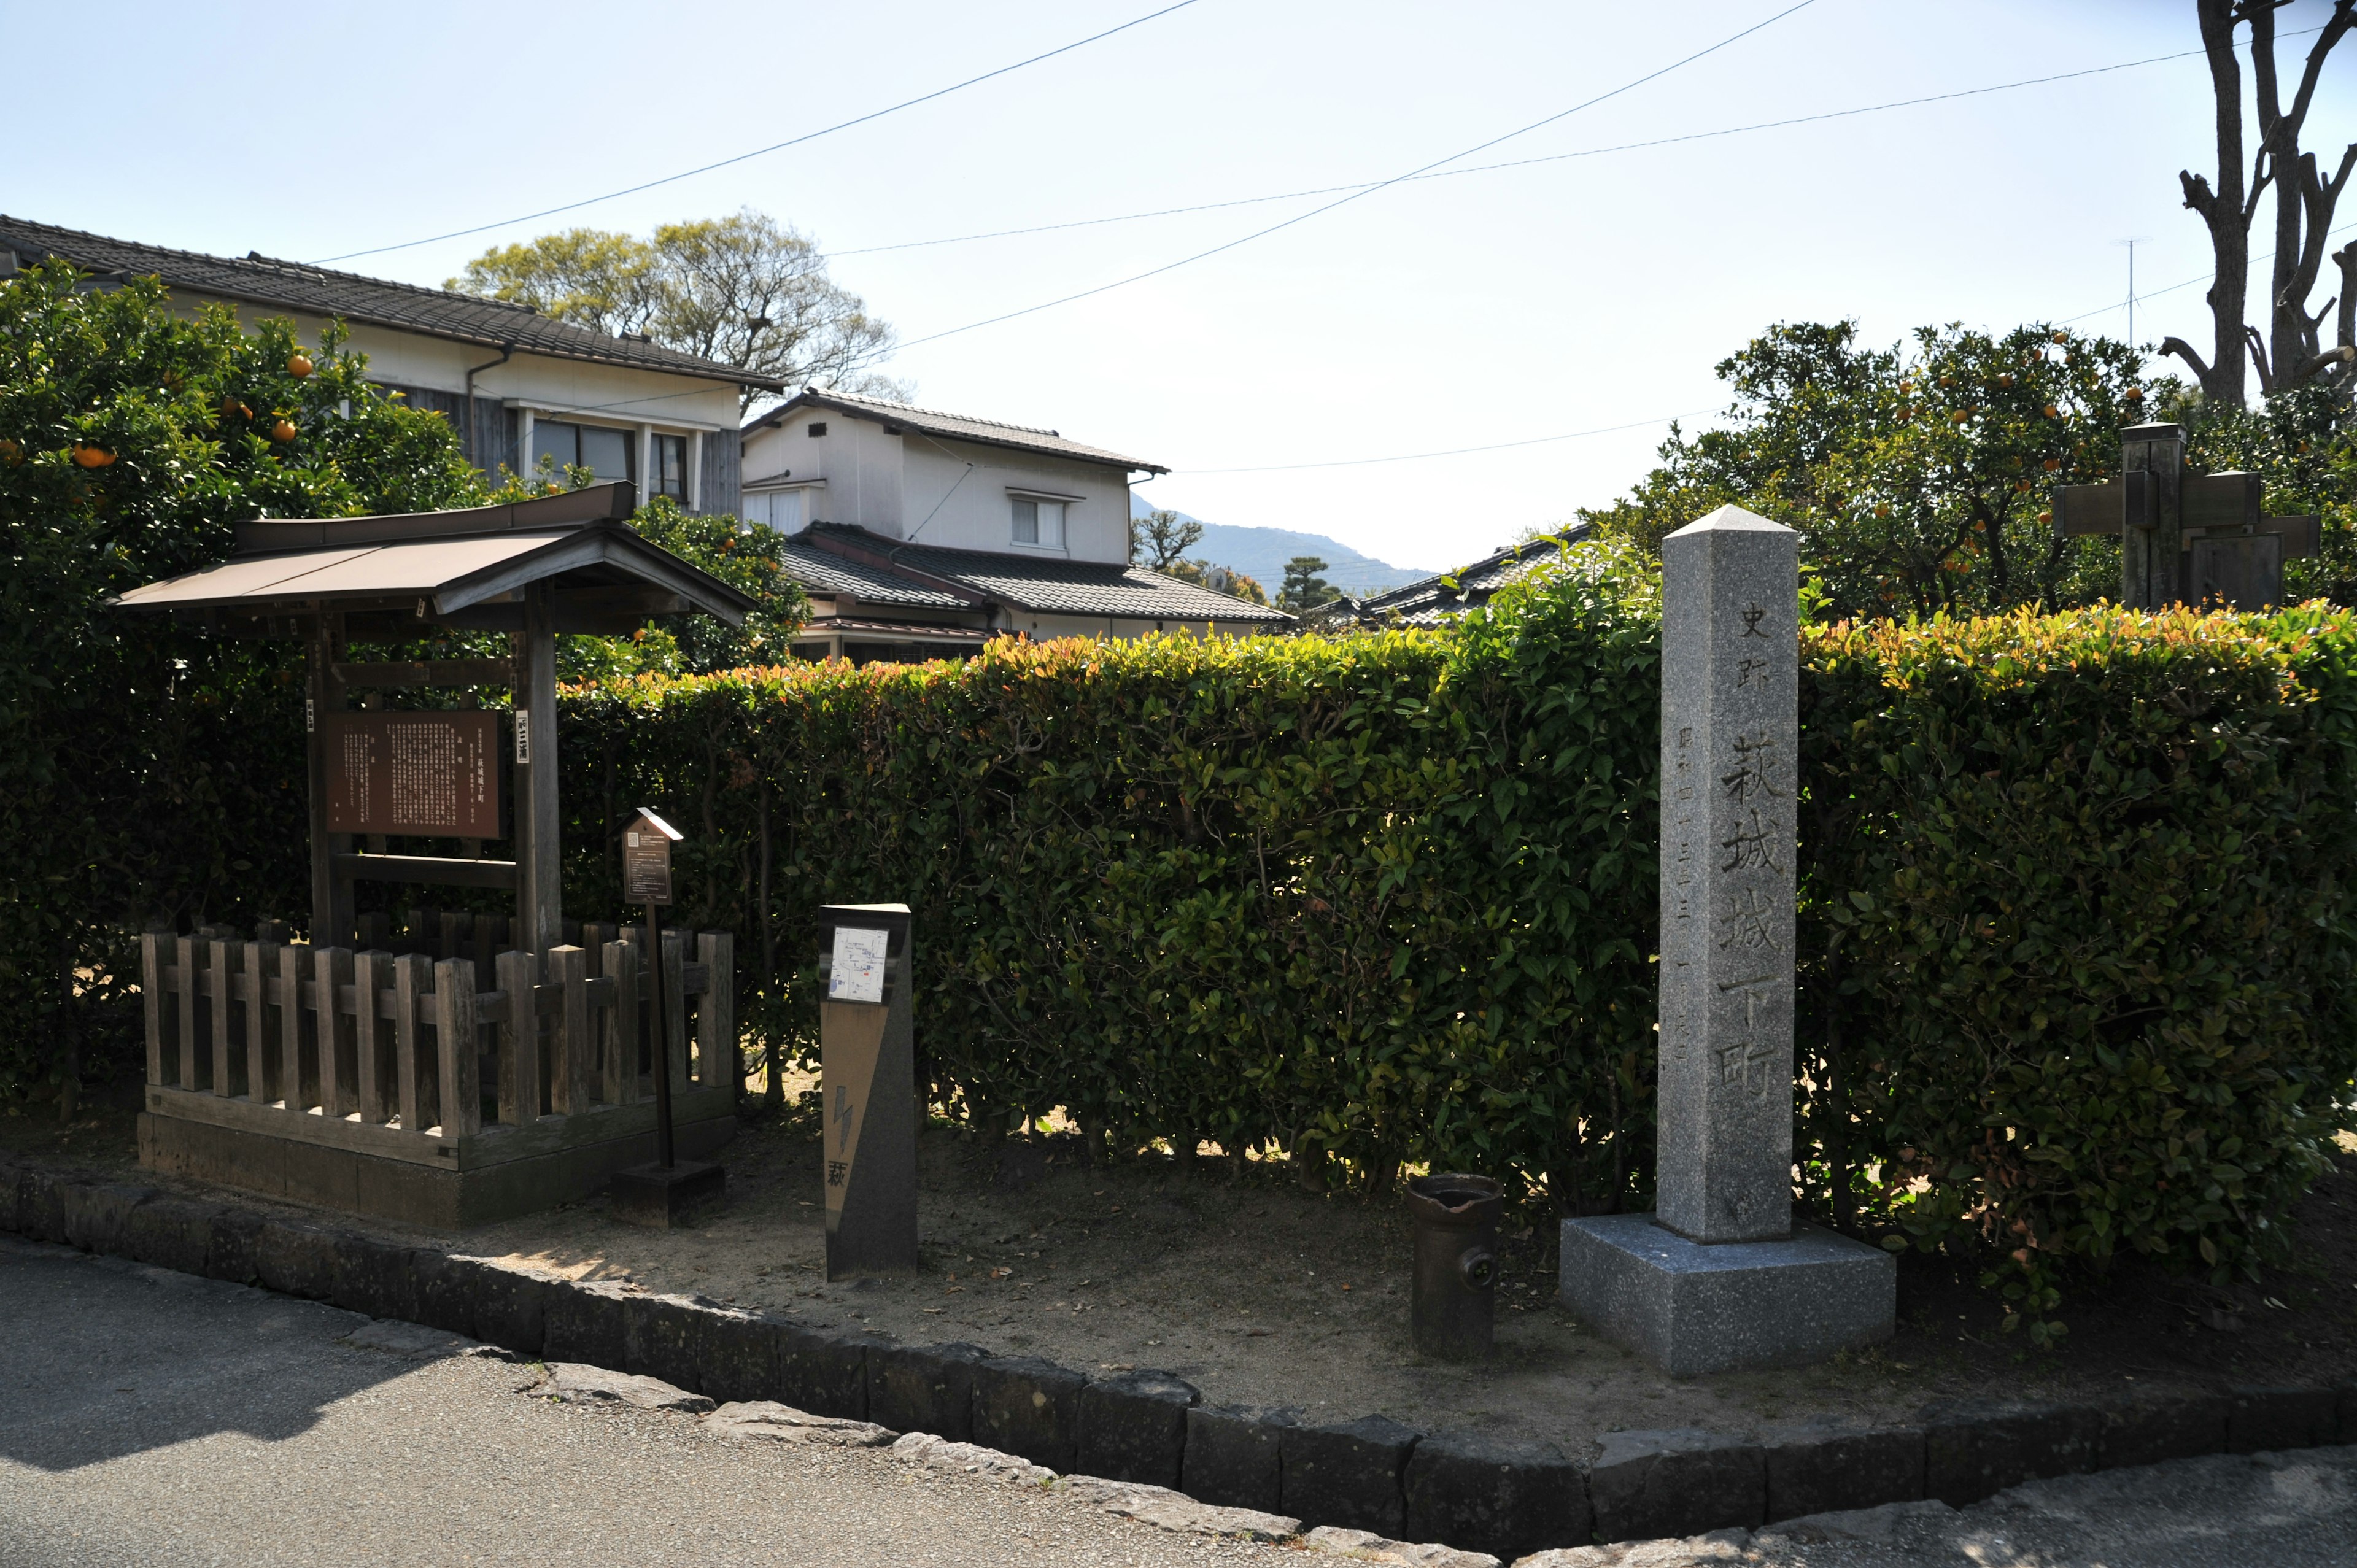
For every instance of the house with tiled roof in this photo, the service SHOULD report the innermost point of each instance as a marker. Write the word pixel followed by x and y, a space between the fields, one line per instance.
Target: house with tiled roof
pixel 516 385
pixel 921 534
pixel 1440 598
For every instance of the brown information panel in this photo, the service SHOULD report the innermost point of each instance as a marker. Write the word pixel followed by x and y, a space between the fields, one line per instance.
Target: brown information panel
pixel 425 773
pixel 646 867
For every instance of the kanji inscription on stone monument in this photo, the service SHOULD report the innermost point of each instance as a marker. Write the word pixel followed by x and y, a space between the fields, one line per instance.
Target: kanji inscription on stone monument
pixel 1730 734
pixel 2185 538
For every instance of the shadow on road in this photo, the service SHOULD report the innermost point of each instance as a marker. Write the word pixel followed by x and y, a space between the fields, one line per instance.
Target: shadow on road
pixel 101 1358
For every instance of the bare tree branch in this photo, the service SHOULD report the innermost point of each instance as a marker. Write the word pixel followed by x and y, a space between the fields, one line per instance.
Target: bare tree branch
pixel 2186 351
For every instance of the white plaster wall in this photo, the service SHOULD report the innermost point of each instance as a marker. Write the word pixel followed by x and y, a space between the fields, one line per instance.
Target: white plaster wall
pixel 1044 627
pixel 965 487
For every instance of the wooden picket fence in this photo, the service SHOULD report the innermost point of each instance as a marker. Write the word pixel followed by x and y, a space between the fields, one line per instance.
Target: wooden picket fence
pixel 390 1046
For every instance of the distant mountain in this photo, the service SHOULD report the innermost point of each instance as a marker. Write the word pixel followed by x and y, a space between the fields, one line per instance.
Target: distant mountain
pixel 1262 552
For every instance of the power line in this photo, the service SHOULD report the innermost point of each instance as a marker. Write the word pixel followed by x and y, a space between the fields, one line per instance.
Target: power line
pixel 761 152
pixel 1355 196
pixel 1519 162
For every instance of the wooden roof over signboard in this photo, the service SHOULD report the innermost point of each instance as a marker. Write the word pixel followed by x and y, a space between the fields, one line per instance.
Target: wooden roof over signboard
pixel 461 568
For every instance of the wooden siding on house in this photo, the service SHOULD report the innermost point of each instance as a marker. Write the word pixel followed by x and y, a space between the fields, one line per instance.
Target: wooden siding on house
pixel 722 480
pixel 494 432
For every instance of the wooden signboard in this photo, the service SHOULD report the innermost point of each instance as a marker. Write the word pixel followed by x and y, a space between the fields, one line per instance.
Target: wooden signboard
pixel 433 774
pixel 646 859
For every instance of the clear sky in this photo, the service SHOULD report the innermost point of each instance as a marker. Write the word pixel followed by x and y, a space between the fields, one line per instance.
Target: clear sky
pixel 1501 306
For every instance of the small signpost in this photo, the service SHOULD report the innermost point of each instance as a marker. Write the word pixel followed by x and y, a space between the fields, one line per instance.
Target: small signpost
pixel 2185 538
pixel 867 1083
pixel 664 1193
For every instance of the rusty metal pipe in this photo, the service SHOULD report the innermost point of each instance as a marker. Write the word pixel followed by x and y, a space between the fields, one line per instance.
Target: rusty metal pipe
pixel 1454 1309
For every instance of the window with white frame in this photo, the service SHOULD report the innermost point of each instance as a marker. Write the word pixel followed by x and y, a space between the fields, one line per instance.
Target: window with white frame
pixel 603 450
pixel 780 510
pixel 1039 522
pixel 667 462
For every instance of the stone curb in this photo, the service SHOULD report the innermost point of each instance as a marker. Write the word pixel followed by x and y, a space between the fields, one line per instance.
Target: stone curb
pixel 1151 1429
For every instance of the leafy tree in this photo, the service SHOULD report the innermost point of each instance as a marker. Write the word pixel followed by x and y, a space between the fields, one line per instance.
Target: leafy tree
pixel 1919 475
pixel 1160 540
pixel 132 437
pixel 745 290
pixel 1303 588
pixel 1220 580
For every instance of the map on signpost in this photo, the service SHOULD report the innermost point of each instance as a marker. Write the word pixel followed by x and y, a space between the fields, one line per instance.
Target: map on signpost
pixel 424 773
pixel 857 974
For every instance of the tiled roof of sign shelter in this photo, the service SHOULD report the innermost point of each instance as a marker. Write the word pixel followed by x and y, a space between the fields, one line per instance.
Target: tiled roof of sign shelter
pixel 952 426
pixel 1048 584
pixel 1435 600
pixel 256 279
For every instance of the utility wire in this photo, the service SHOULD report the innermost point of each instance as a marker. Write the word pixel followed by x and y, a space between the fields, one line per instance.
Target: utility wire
pixel 1355 196
pixel 1454 451
pixel 761 152
pixel 1519 162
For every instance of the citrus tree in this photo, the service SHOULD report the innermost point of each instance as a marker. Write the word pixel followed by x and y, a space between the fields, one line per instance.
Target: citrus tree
pixel 132 438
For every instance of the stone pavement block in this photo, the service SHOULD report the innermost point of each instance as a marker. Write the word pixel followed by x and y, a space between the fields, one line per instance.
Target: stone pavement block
pixel 1824 1469
pixel 583 1323
pixel 1677 1482
pixel 1879 1525
pixel 577 1384
pixel 1347 1474
pixel 2262 1420
pixel 446 1291
pixel 378 1278
pixel 1489 1495
pixel 98 1214
pixel 1366 1546
pixel 40 1206
pixel 1028 1406
pixel 170 1232
pixel 511 1307
pixel 767 1421
pixel 12 1198
pixel 971 1459
pixel 1706 1551
pixel 229 1246
pixel 1133 1427
pixel 1972 1451
pixel 659 1335
pixel 823 1370
pixel 2176 1426
pixel 737 1356
pixel 296 1258
pixel 2345 1398
pixel 1167 1510
pixel 927 1388
pixel 1233 1457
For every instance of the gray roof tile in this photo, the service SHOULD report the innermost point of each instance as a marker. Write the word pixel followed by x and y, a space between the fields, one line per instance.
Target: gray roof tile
pixel 1439 599
pixel 827 571
pixel 952 426
pixel 1048 584
pixel 292 285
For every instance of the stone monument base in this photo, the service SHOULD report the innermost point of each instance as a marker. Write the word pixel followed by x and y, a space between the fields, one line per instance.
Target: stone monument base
pixel 1690 1309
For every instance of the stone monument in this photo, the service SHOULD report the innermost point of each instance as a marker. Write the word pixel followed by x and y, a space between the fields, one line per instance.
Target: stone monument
pixel 867 1083
pixel 1719 1278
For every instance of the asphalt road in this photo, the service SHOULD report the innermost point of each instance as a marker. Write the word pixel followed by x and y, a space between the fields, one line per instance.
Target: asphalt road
pixel 153 1418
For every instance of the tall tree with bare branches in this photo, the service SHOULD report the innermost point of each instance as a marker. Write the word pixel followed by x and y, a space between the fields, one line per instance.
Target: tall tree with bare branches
pixel 2288 353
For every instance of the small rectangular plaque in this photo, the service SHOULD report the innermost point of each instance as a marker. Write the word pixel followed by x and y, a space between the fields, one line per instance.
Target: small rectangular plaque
pixel 646 866
pixel 415 772
pixel 857 974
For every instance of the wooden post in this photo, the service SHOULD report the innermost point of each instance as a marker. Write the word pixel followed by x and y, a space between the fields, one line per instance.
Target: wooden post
pixel 370 1038
pixel 409 972
pixel 570 1044
pixel 539 871
pixel 220 961
pixel 155 958
pixel 674 1007
pixel 290 1027
pixel 621 1055
pixel 2151 541
pixel 448 923
pixel 716 1062
pixel 454 1033
pixel 338 1052
pixel 261 965
pixel 519 1041
pixel 331 895
pixel 187 1010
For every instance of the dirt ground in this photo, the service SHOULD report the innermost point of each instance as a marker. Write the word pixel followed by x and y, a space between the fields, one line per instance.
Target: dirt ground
pixel 1261 1292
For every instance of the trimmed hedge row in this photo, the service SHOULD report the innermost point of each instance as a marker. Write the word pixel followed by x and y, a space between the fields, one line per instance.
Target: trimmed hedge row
pixel 2075 954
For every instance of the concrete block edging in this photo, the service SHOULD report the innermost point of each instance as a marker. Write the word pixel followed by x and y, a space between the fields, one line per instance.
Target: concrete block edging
pixel 1462 1488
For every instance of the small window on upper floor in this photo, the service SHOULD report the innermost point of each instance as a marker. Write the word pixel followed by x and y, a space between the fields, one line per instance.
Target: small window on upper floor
pixel 603 450
pixel 815 427
pixel 1039 522
pixel 668 463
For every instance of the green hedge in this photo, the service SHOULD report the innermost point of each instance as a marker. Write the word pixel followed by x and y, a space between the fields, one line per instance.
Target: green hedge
pixel 1387 895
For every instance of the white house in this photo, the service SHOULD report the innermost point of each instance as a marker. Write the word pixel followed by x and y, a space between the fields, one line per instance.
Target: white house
pixel 919 534
pixel 533 386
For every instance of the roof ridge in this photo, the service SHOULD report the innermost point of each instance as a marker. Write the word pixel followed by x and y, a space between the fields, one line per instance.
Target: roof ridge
pixel 881 403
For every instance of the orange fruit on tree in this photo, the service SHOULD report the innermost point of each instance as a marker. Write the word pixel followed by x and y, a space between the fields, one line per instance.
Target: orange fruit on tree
pixel 283 431
pixel 2052 412
pixel 2052 464
pixel 298 365
pixel 93 457
pixel 10 453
